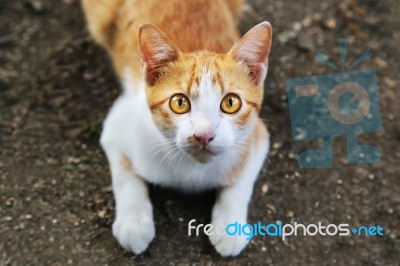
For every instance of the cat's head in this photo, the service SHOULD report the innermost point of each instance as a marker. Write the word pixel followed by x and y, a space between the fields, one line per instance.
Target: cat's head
pixel 205 103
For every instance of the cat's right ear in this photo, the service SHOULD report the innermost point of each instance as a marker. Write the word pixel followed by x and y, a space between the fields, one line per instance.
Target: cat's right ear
pixel 157 52
pixel 253 50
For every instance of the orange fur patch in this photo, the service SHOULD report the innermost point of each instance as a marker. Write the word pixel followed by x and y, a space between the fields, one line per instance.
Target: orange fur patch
pixel 126 164
pixel 243 118
pixel 179 20
pixel 260 132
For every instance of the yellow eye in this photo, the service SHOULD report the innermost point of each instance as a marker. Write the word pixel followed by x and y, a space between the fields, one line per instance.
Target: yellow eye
pixel 231 103
pixel 179 103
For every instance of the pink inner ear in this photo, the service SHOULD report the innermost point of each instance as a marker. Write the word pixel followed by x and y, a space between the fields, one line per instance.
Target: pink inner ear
pixel 152 72
pixel 156 51
pixel 253 50
pixel 154 64
pixel 257 71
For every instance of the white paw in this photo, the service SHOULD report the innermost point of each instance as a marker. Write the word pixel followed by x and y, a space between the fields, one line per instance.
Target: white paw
pixel 134 232
pixel 226 245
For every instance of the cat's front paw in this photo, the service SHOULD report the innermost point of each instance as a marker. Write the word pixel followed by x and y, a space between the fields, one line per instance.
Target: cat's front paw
pixel 227 245
pixel 134 232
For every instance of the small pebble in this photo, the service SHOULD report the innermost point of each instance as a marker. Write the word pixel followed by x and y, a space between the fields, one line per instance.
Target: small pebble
pixel 285 36
pixel 305 42
pixel 380 62
pixel 264 188
pixel 296 26
pixel 389 82
pixel 305 23
pixel 330 23
pixel 37 6
pixel 10 202
pixel 102 213
pixel 276 145
pixel 271 207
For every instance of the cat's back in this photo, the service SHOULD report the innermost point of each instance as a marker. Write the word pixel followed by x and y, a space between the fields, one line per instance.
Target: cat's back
pixel 192 25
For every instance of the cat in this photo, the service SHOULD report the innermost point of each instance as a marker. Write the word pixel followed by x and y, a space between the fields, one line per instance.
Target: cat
pixel 188 116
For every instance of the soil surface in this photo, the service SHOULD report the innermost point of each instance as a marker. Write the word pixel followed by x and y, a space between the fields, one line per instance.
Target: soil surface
pixel 56 85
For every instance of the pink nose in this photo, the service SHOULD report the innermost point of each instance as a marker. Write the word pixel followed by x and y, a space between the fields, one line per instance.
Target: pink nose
pixel 204 138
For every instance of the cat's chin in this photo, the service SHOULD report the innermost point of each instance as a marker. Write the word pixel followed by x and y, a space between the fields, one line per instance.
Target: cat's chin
pixel 204 156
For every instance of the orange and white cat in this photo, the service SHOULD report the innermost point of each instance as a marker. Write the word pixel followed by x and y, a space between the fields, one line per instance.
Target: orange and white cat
pixel 188 114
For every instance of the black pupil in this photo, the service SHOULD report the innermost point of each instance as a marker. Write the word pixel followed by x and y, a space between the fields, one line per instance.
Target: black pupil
pixel 180 101
pixel 230 102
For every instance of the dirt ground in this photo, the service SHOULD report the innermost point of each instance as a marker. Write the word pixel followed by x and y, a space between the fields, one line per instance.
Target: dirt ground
pixel 56 206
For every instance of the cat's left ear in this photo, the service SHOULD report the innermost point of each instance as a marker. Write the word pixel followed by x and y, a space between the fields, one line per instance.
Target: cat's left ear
pixel 157 52
pixel 253 50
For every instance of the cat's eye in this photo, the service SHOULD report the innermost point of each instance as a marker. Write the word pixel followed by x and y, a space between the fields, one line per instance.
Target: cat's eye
pixel 179 103
pixel 231 103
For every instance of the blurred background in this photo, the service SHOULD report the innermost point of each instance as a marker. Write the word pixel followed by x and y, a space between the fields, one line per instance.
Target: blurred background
pixel 56 205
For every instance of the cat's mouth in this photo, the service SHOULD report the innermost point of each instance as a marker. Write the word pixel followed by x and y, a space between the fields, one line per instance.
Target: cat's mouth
pixel 208 150
pixel 202 154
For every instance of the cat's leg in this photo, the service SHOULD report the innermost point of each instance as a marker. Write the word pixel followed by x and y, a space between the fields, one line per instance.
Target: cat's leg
pixel 133 226
pixel 232 203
